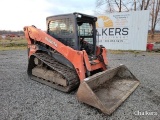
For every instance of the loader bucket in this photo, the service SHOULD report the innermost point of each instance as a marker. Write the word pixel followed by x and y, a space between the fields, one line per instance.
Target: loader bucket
pixel 108 89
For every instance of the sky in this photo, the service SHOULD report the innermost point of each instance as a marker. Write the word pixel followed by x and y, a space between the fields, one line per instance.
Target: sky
pixel 15 14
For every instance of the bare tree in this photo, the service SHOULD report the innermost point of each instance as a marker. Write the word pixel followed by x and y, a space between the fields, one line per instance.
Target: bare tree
pixel 154 7
pixel 139 4
pixel 135 5
pixel 155 15
pixel 119 5
pixel 109 6
pixel 144 4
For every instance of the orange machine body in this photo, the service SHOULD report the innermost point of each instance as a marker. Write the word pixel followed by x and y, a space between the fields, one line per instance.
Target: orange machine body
pixel 79 59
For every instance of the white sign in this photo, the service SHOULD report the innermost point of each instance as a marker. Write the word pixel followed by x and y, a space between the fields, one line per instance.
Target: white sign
pixel 123 31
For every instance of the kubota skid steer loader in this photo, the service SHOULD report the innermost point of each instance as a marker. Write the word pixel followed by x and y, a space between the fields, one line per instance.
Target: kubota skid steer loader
pixel 67 57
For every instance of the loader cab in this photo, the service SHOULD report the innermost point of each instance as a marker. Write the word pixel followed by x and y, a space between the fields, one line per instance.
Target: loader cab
pixel 75 30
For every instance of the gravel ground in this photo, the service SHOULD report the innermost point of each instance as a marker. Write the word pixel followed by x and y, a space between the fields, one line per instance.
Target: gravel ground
pixel 24 99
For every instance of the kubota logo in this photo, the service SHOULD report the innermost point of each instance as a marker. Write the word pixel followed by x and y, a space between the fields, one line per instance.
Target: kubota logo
pixel 51 42
pixel 103 22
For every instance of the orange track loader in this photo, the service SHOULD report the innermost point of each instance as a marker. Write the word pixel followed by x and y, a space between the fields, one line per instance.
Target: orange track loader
pixel 66 57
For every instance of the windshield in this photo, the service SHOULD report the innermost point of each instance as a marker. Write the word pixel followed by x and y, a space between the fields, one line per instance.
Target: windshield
pixel 85 32
pixel 62 30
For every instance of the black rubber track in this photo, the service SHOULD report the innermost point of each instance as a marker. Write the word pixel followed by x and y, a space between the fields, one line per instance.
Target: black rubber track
pixel 69 74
